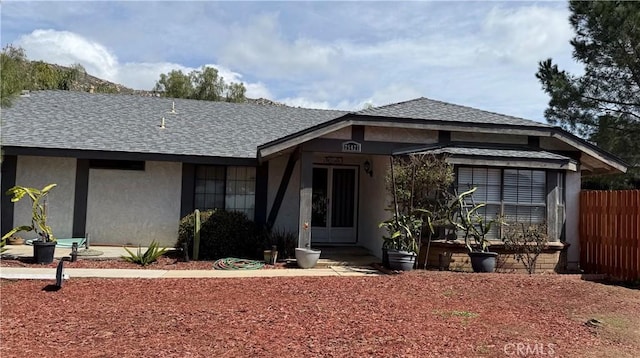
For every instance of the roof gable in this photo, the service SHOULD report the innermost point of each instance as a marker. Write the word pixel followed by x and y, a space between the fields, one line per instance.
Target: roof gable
pixel 432 110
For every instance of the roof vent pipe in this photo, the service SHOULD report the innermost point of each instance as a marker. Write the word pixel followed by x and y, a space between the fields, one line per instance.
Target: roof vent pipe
pixel 173 107
pixel 162 126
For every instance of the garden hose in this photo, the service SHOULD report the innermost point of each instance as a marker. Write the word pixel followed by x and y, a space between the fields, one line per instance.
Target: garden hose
pixel 231 263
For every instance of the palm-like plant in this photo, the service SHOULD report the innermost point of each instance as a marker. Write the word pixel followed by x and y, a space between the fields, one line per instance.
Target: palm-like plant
pixel 464 217
pixel 38 211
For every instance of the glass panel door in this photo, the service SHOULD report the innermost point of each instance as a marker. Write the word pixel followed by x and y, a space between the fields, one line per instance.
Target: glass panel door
pixel 319 197
pixel 333 205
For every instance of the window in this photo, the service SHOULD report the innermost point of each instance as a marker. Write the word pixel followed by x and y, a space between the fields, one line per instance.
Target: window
pixel 241 190
pixel 231 188
pixel 517 194
pixel 209 187
pixel 525 195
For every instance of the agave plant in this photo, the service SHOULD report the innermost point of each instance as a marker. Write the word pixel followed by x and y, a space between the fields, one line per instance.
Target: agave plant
pixel 153 252
pixel 38 211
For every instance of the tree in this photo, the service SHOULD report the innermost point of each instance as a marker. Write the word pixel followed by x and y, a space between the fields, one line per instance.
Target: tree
pixel 205 84
pixel 175 84
pixel 13 66
pixel 602 105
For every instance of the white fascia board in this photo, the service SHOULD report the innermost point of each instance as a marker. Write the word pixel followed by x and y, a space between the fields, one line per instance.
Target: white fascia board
pixel 265 152
pixel 590 152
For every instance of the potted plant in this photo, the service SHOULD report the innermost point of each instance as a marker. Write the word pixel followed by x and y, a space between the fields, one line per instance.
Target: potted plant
pixel 402 244
pixel 475 228
pixel 44 246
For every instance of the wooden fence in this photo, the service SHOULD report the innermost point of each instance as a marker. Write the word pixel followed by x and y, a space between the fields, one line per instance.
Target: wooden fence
pixel 610 233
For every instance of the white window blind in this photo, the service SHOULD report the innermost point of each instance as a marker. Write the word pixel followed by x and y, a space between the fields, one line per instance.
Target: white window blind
pixel 517 194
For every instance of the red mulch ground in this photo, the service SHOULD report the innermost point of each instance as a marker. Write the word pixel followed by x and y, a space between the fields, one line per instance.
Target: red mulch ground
pixel 419 314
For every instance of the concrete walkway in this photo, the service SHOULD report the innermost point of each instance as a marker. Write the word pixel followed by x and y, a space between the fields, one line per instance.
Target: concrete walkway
pixel 337 265
pixel 108 252
pixel 21 273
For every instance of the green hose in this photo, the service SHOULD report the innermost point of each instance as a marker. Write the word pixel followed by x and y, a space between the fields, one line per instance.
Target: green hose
pixel 231 263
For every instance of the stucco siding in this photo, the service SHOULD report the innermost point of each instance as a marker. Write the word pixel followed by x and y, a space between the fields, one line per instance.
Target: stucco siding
pixel 373 201
pixel 572 194
pixel 135 207
pixel 344 133
pixel 400 135
pixel 40 171
pixel 289 212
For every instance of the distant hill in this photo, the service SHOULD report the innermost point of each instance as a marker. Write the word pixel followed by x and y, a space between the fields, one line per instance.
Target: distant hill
pixel 84 82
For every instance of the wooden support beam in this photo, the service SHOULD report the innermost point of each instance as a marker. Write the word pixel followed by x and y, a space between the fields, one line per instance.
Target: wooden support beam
pixel 282 189
pixel 306 191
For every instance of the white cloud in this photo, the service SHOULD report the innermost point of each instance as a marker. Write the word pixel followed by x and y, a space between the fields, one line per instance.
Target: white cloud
pixel 261 48
pixel 66 48
pixel 526 34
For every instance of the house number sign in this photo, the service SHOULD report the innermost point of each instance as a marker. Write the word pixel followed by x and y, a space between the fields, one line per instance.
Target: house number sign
pixel 351 147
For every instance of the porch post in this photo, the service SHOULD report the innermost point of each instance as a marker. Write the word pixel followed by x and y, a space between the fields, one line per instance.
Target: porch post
pixel 306 187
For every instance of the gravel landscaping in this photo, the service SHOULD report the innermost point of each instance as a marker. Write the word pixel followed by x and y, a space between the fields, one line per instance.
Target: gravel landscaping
pixel 418 314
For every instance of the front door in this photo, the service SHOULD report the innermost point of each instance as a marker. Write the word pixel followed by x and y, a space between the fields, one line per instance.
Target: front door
pixel 333 211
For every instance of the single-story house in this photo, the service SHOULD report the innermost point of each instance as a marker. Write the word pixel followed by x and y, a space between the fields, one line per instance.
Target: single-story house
pixel 129 167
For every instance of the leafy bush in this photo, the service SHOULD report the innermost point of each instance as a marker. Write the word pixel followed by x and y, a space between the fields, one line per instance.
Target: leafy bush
pixel 222 234
pixel 153 252
pixel 185 231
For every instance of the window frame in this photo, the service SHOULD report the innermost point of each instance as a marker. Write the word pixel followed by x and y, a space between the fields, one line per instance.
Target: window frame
pixel 502 203
pixel 225 181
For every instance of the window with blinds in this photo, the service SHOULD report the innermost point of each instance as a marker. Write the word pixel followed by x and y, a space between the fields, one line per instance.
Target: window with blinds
pixel 516 194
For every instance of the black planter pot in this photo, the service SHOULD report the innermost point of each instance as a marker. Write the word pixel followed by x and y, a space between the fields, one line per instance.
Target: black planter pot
pixel 483 261
pixel 401 260
pixel 385 257
pixel 43 252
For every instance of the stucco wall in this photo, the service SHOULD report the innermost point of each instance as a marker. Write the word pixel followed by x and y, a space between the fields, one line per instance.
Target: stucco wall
pixel 287 218
pixel 38 172
pixel 572 207
pixel 150 209
pixel 373 201
pixel 344 133
pixel 400 135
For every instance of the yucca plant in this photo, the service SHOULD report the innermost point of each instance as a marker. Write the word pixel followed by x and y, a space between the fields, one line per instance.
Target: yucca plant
pixel 153 252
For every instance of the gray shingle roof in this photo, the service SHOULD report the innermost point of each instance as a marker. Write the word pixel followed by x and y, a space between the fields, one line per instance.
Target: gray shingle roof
pixel 429 109
pixel 129 123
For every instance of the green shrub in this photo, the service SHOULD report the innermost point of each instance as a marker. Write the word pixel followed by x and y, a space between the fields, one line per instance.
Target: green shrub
pixel 153 252
pixel 185 231
pixel 222 234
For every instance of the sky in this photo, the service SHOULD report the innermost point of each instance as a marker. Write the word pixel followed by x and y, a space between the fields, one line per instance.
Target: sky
pixel 329 55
